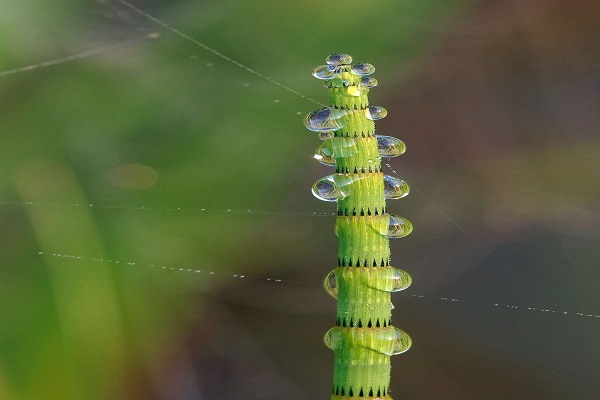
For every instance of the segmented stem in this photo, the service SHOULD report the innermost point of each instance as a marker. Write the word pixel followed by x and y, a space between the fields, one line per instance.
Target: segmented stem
pixel 363 339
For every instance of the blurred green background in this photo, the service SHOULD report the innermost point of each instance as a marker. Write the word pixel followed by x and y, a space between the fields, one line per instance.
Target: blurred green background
pixel 498 102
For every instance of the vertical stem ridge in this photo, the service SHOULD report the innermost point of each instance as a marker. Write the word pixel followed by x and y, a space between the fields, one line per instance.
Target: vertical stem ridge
pixel 363 339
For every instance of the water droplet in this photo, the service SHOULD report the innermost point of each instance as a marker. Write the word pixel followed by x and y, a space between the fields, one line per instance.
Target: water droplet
pixel 389 280
pixel 325 189
pixel 402 342
pixel 363 69
pixel 330 284
pixel 325 120
pixel 339 59
pixel 394 188
pixel 398 227
pixel 375 112
pixel 334 187
pixel 345 147
pixel 325 135
pixel 325 72
pixel 390 146
pixel 368 82
pixel 402 280
pixel 324 153
pixel 333 338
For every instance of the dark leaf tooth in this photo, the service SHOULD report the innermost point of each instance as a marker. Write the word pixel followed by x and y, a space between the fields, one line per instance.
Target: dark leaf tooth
pixel 354 212
pixel 378 392
pixel 363 134
pixel 382 262
pixel 350 262
pixel 371 392
pixel 356 108
pixel 343 393
pixel 374 263
pixel 355 170
pixel 355 134
pixel 351 323
pixel 362 170
pixel 366 263
pixel 333 390
pixel 369 324
pixel 376 212
pixel 344 322
pixel 346 212
pixel 359 323
pixel 368 211
pixel 377 324
pixel 384 390
pixel 361 393
pixel 337 390
pixel 350 393
pixel 362 212
pixel 358 262
pixel 339 264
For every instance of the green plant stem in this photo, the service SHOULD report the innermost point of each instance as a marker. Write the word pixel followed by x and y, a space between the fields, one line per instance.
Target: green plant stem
pixel 363 339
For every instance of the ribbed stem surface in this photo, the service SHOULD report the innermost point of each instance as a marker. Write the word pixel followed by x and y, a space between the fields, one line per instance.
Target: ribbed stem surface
pixel 363 339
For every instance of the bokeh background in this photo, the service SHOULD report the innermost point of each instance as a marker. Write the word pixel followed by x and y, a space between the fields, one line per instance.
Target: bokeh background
pixel 103 155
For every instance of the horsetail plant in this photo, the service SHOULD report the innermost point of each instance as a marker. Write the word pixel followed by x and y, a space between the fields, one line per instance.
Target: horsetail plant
pixel 363 338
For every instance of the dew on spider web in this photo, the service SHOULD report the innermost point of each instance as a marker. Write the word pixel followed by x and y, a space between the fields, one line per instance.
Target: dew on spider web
pixel 329 283
pixel 323 120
